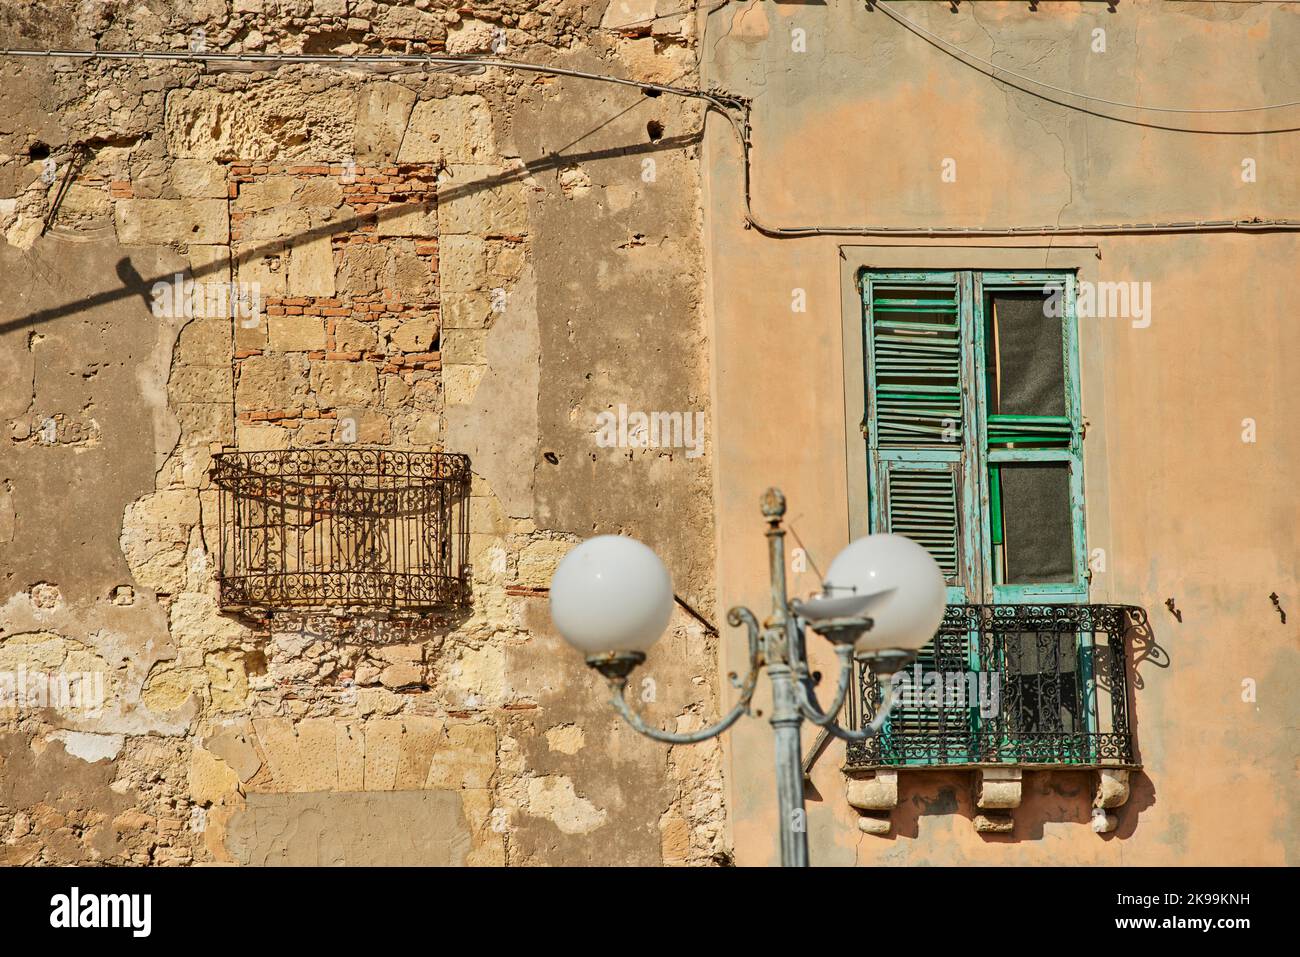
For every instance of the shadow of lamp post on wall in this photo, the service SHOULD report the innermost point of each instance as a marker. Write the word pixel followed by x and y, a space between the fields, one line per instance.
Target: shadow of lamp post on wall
pixel 883 598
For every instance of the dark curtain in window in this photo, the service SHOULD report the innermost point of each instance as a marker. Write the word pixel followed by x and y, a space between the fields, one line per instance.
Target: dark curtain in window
pixel 1029 355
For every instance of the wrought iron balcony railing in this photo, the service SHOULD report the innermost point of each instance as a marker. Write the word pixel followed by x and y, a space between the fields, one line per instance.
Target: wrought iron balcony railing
pixel 351 528
pixel 1009 684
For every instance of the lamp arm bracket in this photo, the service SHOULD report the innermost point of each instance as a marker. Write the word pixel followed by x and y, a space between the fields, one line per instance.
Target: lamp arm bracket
pixel 807 701
pixel 619 686
pixel 740 615
pixel 807 698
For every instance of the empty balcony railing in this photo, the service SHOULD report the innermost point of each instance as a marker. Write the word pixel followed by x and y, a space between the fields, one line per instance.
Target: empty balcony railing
pixel 343 528
pixel 1009 684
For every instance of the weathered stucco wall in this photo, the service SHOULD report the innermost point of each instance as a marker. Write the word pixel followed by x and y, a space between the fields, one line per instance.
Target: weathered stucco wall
pixel 481 263
pixel 852 123
pixel 484 262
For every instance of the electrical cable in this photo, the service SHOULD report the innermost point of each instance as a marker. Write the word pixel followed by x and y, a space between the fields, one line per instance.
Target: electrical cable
pixel 959 53
pixel 369 60
pixel 726 104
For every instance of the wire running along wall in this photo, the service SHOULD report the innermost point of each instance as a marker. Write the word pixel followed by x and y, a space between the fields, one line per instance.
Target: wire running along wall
pixel 357 528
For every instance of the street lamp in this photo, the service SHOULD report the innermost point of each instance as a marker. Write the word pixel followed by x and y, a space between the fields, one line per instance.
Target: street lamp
pixel 883 598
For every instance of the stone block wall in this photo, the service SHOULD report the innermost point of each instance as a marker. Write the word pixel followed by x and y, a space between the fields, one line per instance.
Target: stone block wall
pixel 443 263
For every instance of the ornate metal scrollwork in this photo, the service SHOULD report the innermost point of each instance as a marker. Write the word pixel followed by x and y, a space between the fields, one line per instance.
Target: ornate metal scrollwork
pixel 354 528
pixel 1062 690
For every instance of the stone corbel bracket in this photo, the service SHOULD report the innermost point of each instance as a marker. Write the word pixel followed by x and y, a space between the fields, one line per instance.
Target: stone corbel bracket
pixel 1112 791
pixel 997 792
pixel 876 796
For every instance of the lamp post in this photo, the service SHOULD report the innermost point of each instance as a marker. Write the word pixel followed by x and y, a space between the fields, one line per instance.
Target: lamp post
pixel 611 598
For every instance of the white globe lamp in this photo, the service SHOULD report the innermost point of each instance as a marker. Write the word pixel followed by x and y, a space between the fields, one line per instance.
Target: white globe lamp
pixel 891 580
pixel 611 597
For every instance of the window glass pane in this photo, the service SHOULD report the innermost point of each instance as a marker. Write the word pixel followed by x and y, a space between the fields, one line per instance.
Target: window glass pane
pixel 1023 355
pixel 1037 531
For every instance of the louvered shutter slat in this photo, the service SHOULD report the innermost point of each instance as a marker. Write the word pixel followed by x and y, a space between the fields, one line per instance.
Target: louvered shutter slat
pixel 916 343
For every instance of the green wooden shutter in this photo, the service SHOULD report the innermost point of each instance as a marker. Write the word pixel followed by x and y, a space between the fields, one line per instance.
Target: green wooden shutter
pixel 921 503
pixel 917 416
pixel 1031 451
pixel 921 730
pixel 919 443
pixel 916 338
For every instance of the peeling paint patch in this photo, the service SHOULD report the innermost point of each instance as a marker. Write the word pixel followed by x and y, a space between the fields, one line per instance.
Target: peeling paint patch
pixel 565 738
pixel 553 798
pixel 45 596
pixel 90 747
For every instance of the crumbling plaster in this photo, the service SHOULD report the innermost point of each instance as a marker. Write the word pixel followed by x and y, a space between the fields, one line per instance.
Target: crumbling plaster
pixel 490 309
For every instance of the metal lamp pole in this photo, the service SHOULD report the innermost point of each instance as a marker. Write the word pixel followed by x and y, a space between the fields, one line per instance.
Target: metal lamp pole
pixel 777 644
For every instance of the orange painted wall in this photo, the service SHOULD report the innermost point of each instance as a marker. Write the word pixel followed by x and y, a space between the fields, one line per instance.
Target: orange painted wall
pixel 855 130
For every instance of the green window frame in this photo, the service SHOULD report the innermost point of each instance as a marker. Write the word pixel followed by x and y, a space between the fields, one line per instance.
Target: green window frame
pixel 974 445
pixel 942 451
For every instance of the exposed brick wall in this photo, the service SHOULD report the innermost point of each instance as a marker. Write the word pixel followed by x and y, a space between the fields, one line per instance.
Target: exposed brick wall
pixel 385 222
